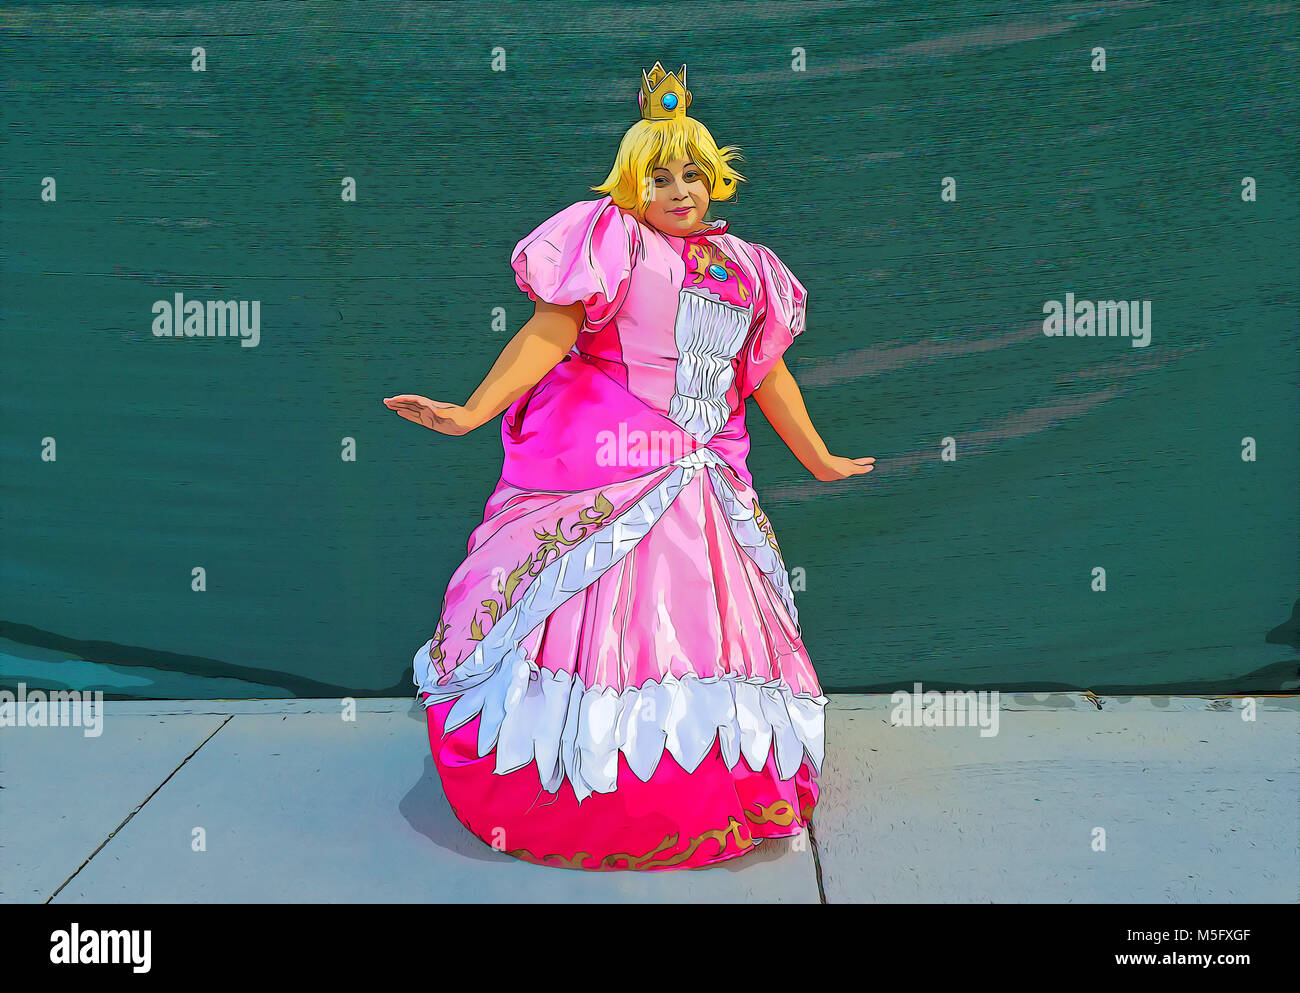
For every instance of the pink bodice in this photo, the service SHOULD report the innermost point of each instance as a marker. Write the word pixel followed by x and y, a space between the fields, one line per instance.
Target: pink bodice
pixel 688 325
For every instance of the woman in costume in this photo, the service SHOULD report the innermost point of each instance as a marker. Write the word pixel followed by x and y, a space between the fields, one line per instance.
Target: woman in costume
pixel 617 679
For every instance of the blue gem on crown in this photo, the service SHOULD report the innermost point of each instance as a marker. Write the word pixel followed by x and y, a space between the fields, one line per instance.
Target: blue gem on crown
pixel 669 101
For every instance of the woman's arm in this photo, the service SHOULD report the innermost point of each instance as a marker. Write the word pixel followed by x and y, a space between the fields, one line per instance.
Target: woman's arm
pixel 530 355
pixel 782 404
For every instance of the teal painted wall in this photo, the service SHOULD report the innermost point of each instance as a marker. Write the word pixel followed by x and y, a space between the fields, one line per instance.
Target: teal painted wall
pixel 924 322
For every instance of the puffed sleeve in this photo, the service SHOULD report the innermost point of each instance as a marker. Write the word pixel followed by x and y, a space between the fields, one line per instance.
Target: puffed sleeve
pixel 583 253
pixel 778 319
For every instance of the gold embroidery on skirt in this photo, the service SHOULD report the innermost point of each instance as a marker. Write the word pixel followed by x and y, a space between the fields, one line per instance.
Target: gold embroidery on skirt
pixel 608 862
pixel 779 812
pixel 560 861
pixel 720 835
pixel 590 519
pixel 761 520
pixel 436 655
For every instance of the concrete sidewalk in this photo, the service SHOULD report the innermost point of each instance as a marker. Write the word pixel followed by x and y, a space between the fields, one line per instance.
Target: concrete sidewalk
pixel 297 805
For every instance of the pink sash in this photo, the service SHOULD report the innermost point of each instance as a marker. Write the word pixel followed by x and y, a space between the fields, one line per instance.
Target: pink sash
pixel 578 429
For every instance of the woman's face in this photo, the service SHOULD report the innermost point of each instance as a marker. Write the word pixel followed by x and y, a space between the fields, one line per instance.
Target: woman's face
pixel 681 196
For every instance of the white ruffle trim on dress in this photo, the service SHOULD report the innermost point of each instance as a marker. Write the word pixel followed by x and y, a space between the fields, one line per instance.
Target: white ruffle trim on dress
pixel 527 712
pixel 577 733
pixel 708 333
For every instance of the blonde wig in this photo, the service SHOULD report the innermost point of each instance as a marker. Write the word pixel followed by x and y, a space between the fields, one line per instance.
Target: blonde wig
pixel 648 145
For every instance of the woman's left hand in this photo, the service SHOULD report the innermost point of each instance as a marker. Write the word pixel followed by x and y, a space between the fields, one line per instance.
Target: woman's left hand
pixel 839 467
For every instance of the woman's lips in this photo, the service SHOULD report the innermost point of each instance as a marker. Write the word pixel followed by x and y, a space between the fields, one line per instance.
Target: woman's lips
pixel 681 210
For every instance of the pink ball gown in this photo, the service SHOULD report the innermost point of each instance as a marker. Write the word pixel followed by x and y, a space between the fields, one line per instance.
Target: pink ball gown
pixel 617 679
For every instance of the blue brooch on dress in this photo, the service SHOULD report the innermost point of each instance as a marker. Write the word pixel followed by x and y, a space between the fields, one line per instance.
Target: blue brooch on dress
pixel 705 260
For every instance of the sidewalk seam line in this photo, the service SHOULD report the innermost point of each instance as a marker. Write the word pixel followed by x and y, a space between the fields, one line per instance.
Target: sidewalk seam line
pixel 817 862
pixel 138 808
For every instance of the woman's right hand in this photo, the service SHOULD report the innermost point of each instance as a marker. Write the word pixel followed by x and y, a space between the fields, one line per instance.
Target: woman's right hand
pixel 838 467
pixel 445 418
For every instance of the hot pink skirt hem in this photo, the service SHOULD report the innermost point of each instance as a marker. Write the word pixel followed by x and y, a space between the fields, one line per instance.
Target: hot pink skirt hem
pixel 676 820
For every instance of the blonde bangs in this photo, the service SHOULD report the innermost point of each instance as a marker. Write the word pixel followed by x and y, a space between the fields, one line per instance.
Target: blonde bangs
pixel 647 145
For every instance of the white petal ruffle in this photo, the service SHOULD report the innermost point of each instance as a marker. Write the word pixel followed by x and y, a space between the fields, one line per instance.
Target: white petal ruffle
pixel 527 712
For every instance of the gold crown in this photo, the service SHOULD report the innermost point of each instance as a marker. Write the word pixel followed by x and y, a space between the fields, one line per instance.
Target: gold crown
pixel 663 96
